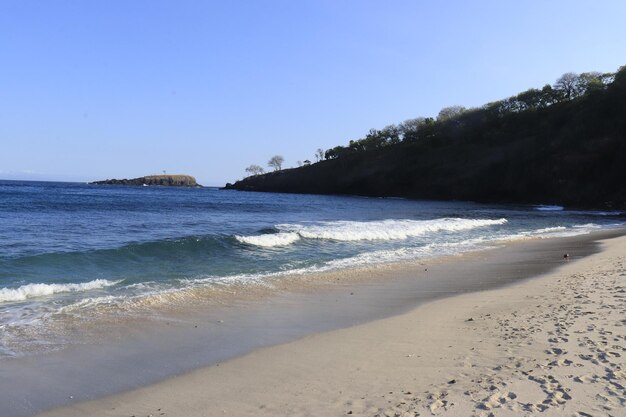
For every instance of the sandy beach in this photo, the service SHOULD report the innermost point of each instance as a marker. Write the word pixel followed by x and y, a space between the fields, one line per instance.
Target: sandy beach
pixel 313 209
pixel 553 345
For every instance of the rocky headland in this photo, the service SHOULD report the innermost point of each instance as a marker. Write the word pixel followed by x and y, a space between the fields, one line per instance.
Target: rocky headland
pixel 559 148
pixel 163 180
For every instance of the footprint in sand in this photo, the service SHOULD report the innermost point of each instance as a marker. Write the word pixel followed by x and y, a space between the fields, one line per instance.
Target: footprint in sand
pixel 585 379
pixel 437 404
pixel 590 358
pixel 558 339
pixel 555 351
pixel 497 399
pixel 561 362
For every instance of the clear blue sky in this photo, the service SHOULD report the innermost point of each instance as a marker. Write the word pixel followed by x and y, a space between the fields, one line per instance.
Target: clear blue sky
pixel 99 89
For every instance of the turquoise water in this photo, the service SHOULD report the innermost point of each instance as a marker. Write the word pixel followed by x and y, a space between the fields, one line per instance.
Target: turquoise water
pixel 66 247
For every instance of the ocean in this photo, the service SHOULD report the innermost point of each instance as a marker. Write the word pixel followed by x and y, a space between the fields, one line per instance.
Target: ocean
pixel 73 251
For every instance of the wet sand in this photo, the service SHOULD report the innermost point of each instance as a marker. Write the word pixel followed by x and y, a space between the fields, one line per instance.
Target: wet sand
pixel 381 312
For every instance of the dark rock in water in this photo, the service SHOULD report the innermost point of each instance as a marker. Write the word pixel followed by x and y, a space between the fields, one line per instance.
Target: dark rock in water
pixel 164 180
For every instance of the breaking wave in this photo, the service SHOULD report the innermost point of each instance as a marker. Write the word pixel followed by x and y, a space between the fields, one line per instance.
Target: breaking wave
pixel 350 231
pixel 40 290
pixel 269 240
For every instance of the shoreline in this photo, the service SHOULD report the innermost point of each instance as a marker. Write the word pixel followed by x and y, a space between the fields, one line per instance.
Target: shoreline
pixel 516 350
pixel 364 291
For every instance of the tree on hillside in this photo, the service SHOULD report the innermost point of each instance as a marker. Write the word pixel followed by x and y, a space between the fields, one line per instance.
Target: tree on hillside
pixel 450 112
pixel 276 162
pixel 530 99
pixel 391 134
pixel 593 81
pixel 319 154
pixel 567 85
pixel 335 152
pixel 619 79
pixel 549 95
pixel 254 170
pixel 409 128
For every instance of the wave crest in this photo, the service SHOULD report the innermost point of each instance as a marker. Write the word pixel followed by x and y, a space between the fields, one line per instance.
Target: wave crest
pixel 350 231
pixel 386 229
pixel 40 290
pixel 269 240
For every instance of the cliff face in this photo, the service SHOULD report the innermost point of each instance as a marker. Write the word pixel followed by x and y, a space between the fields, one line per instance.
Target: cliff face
pixel 164 180
pixel 571 153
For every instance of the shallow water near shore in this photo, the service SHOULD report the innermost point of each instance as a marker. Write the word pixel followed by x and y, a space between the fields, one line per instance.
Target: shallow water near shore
pixel 113 280
pixel 129 354
pixel 73 254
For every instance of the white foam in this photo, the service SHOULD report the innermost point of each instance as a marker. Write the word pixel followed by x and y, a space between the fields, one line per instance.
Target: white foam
pixel 548 208
pixel 407 254
pixel 607 213
pixel 550 232
pixel 350 231
pixel 384 229
pixel 588 226
pixel 269 240
pixel 40 290
pixel 550 229
pixel 547 232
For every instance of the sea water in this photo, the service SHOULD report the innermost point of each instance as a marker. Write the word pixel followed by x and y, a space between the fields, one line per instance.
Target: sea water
pixel 69 248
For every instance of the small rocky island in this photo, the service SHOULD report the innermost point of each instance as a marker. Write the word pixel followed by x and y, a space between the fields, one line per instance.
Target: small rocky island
pixel 164 180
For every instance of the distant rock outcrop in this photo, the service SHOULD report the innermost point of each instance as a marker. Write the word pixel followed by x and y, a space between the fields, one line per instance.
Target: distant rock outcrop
pixel 164 180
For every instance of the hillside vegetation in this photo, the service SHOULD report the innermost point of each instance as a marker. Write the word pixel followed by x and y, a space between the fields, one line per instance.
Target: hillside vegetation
pixel 563 144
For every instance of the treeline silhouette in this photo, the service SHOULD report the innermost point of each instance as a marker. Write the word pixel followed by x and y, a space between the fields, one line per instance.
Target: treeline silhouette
pixel 561 144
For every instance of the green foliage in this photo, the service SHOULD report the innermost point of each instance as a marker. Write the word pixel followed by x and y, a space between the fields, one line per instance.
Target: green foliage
pixel 451 112
pixel 530 99
pixel 562 144
pixel 568 87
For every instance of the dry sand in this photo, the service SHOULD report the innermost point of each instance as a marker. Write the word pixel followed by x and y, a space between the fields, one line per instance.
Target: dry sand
pixel 550 346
